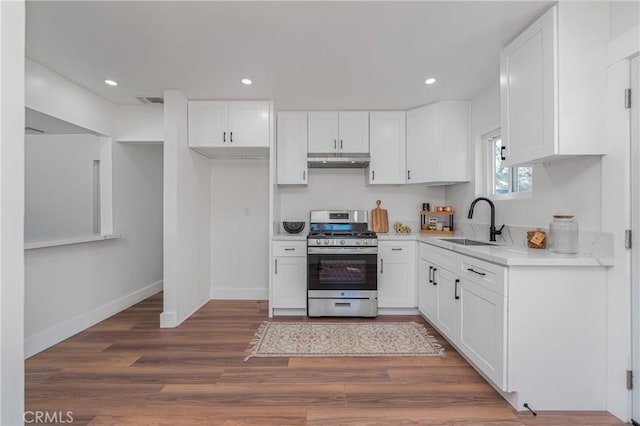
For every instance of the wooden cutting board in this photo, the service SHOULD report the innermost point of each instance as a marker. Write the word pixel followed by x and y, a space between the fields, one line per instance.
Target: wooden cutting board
pixel 379 219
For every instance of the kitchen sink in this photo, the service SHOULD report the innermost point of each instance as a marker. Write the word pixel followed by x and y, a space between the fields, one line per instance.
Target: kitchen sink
pixel 467 242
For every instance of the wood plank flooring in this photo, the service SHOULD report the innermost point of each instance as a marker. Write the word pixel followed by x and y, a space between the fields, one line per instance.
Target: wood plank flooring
pixel 128 371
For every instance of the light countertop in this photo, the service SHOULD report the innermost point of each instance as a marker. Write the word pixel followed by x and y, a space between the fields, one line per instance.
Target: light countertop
pixel 503 254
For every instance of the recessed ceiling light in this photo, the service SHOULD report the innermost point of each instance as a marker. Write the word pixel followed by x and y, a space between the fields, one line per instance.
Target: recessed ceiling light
pixel 246 81
pixel 110 82
pixel 430 80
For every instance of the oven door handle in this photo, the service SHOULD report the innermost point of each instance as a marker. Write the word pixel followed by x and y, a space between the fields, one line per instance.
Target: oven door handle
pixel 342 250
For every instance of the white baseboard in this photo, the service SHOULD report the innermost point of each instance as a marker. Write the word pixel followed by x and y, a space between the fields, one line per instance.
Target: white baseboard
pixel 193 311
pixel 283 312
pixel 56 334
pixel 232 293
pixel 398 311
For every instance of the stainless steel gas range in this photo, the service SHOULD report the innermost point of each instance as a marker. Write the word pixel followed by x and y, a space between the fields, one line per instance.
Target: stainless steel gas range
pixel 342 257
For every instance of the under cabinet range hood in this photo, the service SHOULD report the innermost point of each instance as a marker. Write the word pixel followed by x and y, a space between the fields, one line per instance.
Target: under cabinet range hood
pixel 338 161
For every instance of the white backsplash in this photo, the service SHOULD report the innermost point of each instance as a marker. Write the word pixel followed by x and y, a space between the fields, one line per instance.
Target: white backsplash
pixel 597 244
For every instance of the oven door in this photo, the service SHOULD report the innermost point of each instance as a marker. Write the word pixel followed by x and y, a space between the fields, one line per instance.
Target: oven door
pixel 342 268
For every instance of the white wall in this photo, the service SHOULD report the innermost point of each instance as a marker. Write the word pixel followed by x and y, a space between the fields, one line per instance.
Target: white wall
pixel 54 95
pixel 69 288
pixel 12 30
pixel 338 189
pixel 569 187
pixel 623 16
pixel 140 123
pixel 59 185
pixel 239 229
pixel 187 223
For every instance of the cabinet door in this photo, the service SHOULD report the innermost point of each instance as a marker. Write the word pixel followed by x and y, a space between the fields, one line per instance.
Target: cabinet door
pixel 290 282
pixel 249 124
pixel 292 148
pixel 353 130
pixel 423 147
pixel 323 132
pixel 427 291
pixel 208 123
pixel 387 146
pixel 482 330
pixel 528 93
pixel 447 310
pixel 396 276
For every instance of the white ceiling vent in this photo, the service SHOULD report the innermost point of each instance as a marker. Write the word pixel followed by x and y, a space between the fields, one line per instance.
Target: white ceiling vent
pixel 150 99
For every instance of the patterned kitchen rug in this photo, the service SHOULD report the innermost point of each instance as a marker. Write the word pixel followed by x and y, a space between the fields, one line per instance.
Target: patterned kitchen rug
pixel 332 339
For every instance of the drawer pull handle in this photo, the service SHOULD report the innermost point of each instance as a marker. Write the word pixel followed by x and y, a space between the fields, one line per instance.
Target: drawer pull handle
pixel 476 272
pixel 396 249
pixel 434 276
pixel 276 266
pixel 289 249
pixel 343 305
pixel 430 274
pixel 455 291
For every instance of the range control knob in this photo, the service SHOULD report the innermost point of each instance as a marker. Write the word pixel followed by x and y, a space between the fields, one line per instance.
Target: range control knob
pixel 318 242
pixel 341 242
pixel 358 242
pixel 326 242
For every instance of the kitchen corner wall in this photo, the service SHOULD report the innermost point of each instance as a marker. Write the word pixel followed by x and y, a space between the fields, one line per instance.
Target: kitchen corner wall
pixel 567 187
pixel 345 189
pixel 239 228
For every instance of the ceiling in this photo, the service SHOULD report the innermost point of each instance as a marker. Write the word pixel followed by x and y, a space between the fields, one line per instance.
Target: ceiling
pixel 303 55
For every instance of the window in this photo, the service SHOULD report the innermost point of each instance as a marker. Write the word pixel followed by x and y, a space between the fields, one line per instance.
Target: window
pixel 505 182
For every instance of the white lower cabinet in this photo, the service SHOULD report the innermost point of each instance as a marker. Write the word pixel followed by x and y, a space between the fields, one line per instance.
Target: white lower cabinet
pixel 537 333
pixel 427 291
pixel 447 307
pixel 481 329
pixel 289 275
pixel 396 274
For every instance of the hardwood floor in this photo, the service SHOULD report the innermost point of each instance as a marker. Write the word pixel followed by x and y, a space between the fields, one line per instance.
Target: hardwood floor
pixel 128 371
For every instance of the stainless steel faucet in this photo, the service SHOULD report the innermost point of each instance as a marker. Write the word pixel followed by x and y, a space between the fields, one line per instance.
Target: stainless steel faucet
pixel 492 229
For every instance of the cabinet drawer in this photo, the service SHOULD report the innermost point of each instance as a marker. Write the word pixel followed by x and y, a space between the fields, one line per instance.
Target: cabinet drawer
pixel 388 249
pixel 488 275
pixel 445 258
pixel 294 248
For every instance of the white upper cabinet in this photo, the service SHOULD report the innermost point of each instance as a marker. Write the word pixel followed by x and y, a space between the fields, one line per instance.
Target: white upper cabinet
pixel 438 143
pixel 553 86
pixel 222 124
pixel 208 123
pixel 249 123
pixel 353 128
pixel 338 132
pixel 292 148
pixel 387 145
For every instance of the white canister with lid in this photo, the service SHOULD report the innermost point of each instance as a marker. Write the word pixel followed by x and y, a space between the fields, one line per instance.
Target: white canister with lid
pixel 563 235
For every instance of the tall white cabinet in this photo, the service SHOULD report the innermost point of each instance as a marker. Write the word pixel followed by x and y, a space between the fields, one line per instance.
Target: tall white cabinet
pixel 387 147
pixel 291 148
pixel 553 85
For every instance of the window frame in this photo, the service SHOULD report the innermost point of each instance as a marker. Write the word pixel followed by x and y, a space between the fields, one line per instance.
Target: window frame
pixel 488 141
